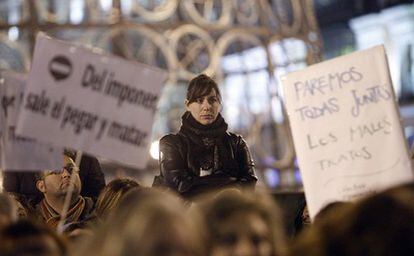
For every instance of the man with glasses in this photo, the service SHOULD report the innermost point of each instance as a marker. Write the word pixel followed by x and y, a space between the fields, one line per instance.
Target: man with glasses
pixel 54 185
pixel 23 183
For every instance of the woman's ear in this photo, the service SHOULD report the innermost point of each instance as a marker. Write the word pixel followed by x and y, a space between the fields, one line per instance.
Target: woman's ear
pixel 186 103
pixel 40 185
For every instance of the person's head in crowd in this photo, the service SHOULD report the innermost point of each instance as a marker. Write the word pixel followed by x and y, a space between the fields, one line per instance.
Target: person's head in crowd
pixel 330 208
pixel 147 222
pixel 403 192
pixel 382 224
pixel 8 210
pixel 111 194
pixel 22 183
pixel 79 231
pixel 21 210
pixel 27 238
pixel 54 185
pixel 200 88
pixel 90 172
pixel 243 224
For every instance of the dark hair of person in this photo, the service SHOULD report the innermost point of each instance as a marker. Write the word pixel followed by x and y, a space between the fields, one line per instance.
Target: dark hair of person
pixel 381 224
pixel 38 175
pixel 330 208
pixel 67 152
pixel 112 193
pixel 26 237
pixel 201 86
pixel 147 222
pixel 222 207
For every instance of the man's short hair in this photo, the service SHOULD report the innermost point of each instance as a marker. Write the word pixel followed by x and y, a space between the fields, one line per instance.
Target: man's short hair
pixel 39 175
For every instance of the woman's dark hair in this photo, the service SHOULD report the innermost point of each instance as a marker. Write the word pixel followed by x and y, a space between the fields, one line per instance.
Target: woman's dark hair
pixel 201 86
pixel 26 237
pixel 220 209
pixel 330 208
pixel 382 224
pixel 111 195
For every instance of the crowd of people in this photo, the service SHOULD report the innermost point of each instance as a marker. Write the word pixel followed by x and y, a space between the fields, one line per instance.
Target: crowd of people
pixel 129 219
pixel 202 203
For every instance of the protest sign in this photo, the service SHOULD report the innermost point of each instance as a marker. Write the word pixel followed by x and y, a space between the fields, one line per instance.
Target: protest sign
pixel 346 128
pixel 19 153
pixel 103 105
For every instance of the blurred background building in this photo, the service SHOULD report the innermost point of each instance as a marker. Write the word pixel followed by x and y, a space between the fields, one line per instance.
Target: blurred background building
pixel 245 44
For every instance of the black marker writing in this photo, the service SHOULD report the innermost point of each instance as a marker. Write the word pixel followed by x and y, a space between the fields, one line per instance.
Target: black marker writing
pixel 372 95
pixel 102 127
pixel 326 83
pixel 346 157
pixel 91 78
pixel 6 103
pixel 128 134
pixel 124 92
pixel 321 140
pixel 37 103
pixel 79 119
pixel 382 126
pixel 312 112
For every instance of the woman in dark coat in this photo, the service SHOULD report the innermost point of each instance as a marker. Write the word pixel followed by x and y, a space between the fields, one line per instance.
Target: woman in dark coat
pixel 203 155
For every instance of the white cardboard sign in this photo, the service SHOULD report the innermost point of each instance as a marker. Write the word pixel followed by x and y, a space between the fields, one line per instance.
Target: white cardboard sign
pixel 103 105
pixel 19 153
pixel 346 128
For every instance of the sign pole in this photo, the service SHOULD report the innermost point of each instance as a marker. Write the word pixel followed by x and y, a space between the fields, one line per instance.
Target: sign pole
pixel 68 197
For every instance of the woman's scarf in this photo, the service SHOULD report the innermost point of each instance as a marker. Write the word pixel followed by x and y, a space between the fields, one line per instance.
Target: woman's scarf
pixel 52 217
pixel 214 130
pixel 209 147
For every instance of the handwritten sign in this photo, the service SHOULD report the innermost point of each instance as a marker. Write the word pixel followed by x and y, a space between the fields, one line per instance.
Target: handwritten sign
pixel 346 128
pixel 99 104
pixel 20 153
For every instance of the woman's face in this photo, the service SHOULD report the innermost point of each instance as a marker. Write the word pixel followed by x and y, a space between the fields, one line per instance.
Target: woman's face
pixel 247 234
pixel 205 109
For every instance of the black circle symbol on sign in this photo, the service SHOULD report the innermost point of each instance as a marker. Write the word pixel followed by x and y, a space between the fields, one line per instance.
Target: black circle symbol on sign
pixel 60 67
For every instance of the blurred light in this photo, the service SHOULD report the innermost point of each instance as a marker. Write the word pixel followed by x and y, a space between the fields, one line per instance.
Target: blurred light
pixel 13 33
pixel 154 149
pixel 277 110
pixel 269 160
pixel 258 92
pixel 409 131
pixel 76 11
pixel 272 177
pixel 298 176
pixel 295 163
pixel 126 6
pixel 14 14
pixel 409 134
pixel 106 5
pixel 231 115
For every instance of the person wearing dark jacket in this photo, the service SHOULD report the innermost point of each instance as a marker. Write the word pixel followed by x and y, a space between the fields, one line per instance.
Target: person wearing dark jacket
pixel 203 155
pixel 23 183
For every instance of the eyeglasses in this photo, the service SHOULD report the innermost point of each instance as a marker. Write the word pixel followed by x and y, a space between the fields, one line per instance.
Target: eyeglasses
pixel 70 169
